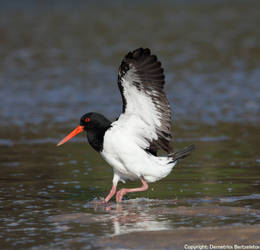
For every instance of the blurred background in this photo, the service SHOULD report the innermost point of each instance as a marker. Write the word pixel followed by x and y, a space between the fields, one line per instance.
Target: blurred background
pixel 59 60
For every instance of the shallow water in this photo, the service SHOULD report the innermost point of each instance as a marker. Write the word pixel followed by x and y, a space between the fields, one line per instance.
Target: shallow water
pixel 49 192
pixel 60 61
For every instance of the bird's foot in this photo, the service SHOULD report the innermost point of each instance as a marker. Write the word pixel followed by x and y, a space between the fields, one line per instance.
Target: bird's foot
pixel 101 202
pixel 123 191
pixel 111 194
pixel 105 204
pixel 120 194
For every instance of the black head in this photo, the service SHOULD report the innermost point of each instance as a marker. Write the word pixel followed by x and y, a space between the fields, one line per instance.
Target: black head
pixel 94 121
pixel 95 125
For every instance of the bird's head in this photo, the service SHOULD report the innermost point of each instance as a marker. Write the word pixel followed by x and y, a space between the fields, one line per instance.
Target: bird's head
pixel 88 122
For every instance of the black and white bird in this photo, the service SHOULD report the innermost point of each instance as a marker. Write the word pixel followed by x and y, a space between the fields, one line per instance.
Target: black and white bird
pixel 130 144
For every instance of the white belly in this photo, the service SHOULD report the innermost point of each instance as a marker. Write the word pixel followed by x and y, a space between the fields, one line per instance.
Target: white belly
pixel 121 154
pixel 124 151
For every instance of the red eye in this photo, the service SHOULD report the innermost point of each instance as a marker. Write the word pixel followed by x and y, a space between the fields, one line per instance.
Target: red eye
pixel 87 119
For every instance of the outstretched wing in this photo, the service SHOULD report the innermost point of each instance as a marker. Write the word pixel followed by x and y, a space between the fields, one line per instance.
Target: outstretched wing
pixel 141 82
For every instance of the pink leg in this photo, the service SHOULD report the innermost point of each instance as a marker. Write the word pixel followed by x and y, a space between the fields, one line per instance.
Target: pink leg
pixel 111 193
pixel 123 191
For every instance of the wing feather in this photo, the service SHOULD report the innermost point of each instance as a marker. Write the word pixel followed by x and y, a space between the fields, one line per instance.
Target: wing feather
pixel 141 82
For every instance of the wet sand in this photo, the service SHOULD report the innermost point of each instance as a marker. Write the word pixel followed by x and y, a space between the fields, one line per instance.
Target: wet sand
pixel 182 238
pixel 116 210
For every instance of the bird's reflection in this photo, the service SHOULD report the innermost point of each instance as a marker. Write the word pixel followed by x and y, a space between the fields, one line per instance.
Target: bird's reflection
pixel 135 215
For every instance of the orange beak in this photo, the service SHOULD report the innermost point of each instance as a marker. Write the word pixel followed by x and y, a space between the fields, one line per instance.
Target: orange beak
pixel 76 131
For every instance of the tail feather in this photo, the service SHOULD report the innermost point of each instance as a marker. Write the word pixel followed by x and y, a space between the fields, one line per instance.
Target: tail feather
pixel 182 153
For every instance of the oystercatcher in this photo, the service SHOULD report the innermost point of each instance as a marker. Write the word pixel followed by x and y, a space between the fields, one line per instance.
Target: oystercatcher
pixel 130 143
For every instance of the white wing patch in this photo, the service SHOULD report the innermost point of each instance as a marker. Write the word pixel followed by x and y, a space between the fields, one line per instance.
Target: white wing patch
pixel 141 82
pixel 140 105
